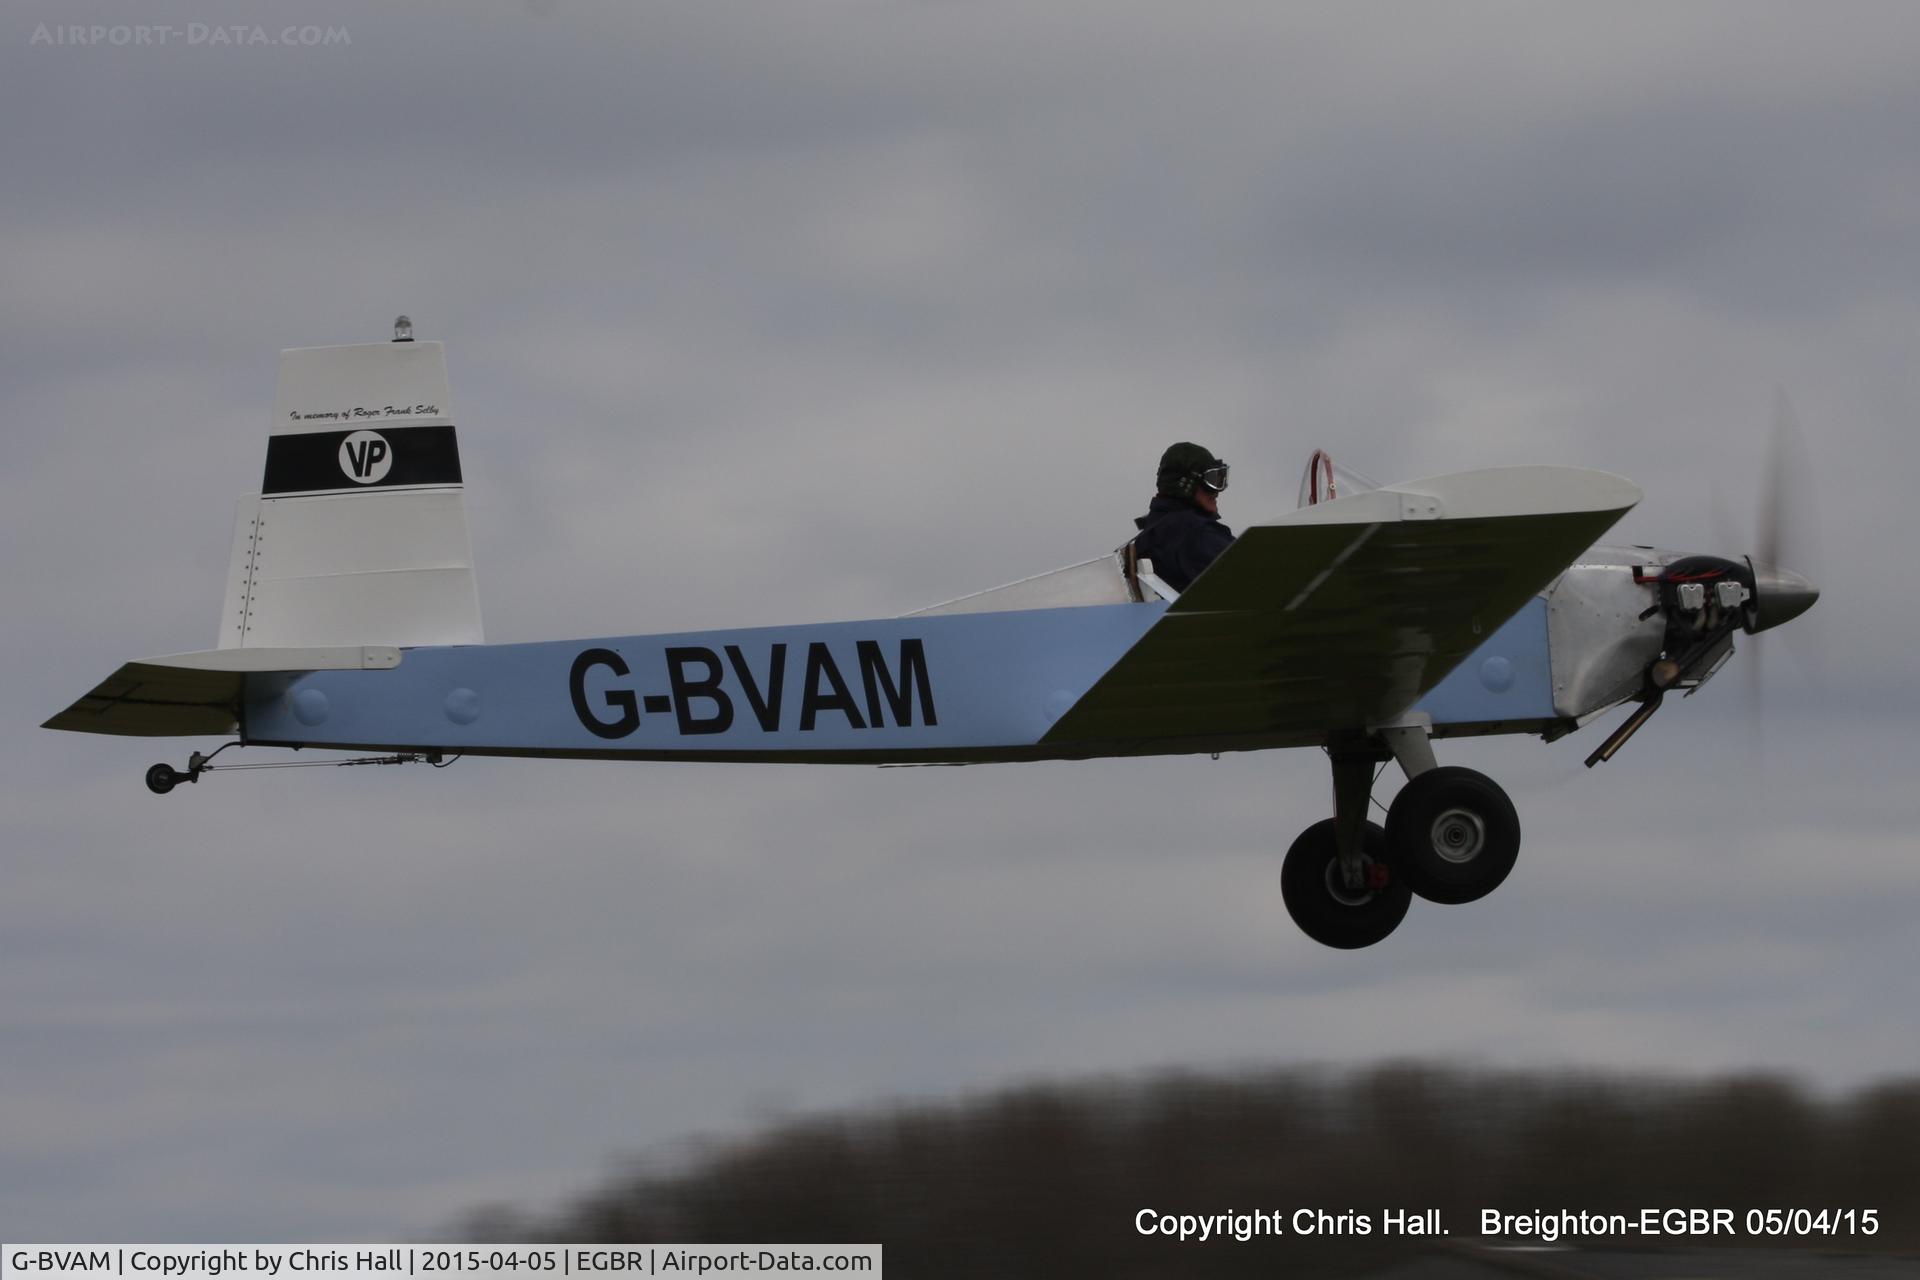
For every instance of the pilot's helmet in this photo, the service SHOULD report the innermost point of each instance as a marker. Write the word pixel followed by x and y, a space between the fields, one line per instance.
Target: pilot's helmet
pixel 1186 466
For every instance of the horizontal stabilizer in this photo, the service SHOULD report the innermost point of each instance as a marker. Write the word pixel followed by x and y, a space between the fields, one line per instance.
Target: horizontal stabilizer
pixel 197 694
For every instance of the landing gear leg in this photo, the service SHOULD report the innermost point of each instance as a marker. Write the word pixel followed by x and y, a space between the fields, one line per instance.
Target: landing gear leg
pixel 1352 791
pixel 1336 881
pixel 1411 747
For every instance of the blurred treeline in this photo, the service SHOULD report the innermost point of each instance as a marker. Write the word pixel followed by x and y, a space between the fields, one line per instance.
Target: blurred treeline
pixel 1045 1180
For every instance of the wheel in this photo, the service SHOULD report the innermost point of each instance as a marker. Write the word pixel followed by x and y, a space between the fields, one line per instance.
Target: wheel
pixel 1453 835
pixel 1319 901
pixel 160 779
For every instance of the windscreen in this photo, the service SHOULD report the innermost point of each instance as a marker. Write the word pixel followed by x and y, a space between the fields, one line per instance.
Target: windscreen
pixel 1325 480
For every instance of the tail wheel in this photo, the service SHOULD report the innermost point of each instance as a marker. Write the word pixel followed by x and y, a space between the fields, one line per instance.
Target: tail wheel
pixel 1321 903
pixel 1453 834
pixel 161 779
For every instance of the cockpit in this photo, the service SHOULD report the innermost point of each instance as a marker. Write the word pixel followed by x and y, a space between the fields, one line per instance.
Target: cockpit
pixel 1122 577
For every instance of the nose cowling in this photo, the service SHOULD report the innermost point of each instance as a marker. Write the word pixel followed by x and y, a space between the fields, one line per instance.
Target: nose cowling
pixel 1780 595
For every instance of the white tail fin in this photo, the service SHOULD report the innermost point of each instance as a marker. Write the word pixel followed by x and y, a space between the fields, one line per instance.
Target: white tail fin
pixel 359 533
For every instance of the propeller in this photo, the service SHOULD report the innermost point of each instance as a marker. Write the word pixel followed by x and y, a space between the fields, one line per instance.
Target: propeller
pixel 1783 529
pixel 1706 621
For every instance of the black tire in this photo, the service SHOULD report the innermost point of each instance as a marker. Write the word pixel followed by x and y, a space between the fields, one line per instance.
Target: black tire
pixel 160 779
pixel 1316 897
pixel 1453 835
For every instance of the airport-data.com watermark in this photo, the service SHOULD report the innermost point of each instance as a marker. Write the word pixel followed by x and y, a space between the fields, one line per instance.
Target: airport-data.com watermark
pixel 187 35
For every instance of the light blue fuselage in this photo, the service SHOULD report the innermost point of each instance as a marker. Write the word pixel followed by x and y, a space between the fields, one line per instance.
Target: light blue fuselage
pixel 954 687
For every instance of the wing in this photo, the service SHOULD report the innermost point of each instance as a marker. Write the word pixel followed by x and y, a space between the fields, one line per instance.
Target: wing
pixel 1341 616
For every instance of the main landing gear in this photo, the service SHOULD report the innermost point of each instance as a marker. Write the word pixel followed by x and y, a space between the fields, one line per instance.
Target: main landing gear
pixel 1451 836
pixel 1454 834
pixel 1330 910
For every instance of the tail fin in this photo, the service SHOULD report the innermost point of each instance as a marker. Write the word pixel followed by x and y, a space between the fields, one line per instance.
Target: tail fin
pixel 359 533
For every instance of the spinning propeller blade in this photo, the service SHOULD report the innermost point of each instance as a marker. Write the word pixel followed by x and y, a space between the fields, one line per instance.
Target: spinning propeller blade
pixel 1782 529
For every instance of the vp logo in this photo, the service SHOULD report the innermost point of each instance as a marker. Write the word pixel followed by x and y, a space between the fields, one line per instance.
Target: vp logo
pixel 366 457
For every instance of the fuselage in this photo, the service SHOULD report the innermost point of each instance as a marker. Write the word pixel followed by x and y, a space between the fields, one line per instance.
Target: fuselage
pixel 962 688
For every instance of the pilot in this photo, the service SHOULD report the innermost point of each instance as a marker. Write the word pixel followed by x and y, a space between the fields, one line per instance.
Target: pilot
pixel 1181 532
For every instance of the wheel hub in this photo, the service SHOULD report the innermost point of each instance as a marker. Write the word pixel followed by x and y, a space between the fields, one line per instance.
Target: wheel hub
pixel 1458 835
pixel 1359 895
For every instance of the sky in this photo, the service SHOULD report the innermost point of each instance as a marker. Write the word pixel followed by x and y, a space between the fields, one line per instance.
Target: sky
pixel 767 312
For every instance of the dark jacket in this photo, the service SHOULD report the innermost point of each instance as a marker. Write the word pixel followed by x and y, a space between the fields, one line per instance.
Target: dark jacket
pixel 1180 539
